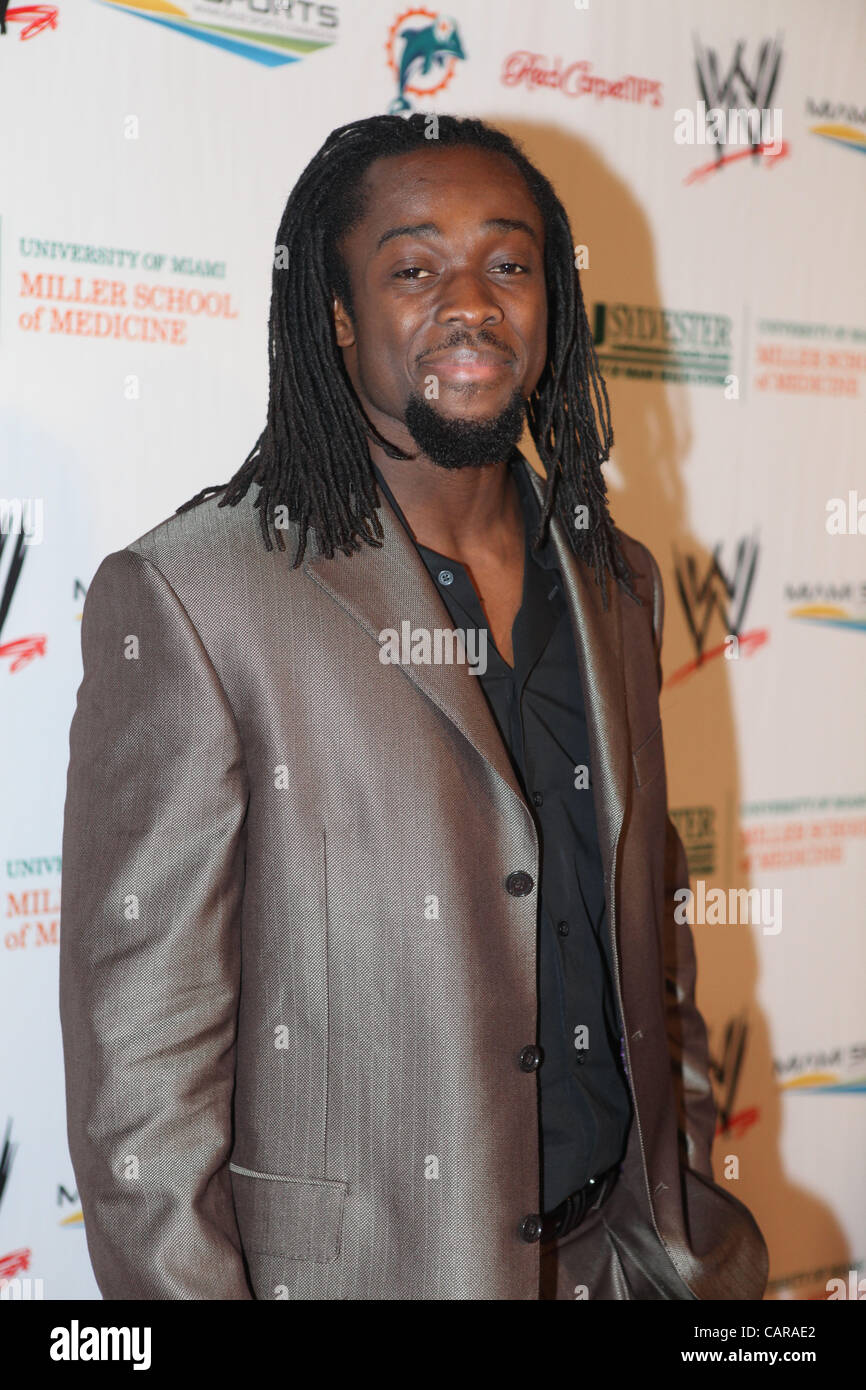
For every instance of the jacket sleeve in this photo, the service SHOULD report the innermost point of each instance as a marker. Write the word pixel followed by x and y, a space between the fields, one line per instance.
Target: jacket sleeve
pixel 151 892
pixel 686 1030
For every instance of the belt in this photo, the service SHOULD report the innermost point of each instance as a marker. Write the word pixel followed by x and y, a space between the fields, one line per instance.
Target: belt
pixel 571 1212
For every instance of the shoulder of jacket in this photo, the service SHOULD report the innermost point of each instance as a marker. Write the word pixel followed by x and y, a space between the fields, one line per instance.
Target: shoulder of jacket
pixel 646 582
pixel 208 541
pixel 642 563
pixel 204 523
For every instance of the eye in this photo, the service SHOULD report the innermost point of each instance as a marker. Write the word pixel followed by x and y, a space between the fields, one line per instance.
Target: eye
pixel 414 271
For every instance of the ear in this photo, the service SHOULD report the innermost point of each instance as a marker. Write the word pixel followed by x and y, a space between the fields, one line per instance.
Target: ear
pixel 343 325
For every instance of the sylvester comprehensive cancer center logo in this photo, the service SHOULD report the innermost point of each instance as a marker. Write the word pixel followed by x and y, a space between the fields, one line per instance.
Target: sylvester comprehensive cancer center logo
pixel 646 342
pixel 696 827
pixel 264 31
pixel 423 50
pixel 721 590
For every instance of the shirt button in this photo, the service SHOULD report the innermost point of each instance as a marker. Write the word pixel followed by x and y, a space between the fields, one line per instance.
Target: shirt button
pixel 563 928
pixel 530 1058
pixel 538 798
pixel 519 884
pixel 446 577
pixel 530 1229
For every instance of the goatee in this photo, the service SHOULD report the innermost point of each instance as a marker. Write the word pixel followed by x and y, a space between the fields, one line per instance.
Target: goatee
pixel 465 443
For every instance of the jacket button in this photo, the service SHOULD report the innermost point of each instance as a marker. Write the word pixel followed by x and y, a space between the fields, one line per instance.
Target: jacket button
pixel 530 1229
pixel 530 1058
pixel 519 884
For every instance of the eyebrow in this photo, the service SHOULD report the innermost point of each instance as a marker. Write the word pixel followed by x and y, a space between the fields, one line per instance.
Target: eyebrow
pixel 499 224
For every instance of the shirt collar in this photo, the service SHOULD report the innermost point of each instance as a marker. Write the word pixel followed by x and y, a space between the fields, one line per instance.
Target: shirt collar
pixel 531 512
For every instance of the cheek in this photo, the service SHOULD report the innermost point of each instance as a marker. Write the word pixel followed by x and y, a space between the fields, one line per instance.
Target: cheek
pixel 534 329
pixel 541 322
pixel 386 343
pixel 381 366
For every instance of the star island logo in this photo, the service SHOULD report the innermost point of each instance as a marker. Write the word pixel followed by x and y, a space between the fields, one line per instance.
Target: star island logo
pixel 834 1069
pixel 264 31
pixel 838 605
pixel 423 50
pixel 838 122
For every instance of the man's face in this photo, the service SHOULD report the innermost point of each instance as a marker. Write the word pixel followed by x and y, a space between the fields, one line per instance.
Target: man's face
pixel 450 303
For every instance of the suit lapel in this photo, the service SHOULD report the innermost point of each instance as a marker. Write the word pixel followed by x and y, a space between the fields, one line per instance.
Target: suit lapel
pixel 382 587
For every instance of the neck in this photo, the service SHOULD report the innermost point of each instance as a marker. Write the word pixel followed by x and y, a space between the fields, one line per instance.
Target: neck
pixel 458 512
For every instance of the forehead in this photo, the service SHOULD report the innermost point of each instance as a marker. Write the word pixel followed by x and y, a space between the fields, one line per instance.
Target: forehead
pixel 456 181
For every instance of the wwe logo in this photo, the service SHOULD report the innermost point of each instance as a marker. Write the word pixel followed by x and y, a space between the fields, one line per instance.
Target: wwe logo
pixel 735 89
pixel 717 591
pixel 11 560
pixel 726 1070
pixel 7 1153
pixel 19 650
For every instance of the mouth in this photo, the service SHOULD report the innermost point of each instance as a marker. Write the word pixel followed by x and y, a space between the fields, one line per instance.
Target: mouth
pixel 468 364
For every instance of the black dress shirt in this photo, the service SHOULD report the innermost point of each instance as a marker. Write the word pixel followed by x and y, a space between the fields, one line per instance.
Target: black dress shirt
pixel 585 1105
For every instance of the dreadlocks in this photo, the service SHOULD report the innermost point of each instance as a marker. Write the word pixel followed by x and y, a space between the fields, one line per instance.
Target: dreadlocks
pixel 312 457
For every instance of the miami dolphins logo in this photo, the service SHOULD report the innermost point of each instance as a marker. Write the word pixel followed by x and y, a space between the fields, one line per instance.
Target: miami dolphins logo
pixel 429 50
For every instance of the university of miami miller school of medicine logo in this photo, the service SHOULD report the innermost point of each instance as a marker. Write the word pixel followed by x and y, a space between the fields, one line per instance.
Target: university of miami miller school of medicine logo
pixel 423 50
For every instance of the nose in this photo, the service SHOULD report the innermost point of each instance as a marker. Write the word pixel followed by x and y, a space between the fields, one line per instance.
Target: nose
pixel 468 299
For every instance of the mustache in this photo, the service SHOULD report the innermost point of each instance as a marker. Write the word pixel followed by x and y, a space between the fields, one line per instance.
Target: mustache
pixel 484 338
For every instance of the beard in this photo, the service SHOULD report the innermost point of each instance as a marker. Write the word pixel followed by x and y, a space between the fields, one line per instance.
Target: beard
pixel 465 443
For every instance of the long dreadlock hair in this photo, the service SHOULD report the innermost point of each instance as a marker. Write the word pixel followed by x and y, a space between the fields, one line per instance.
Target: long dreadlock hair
pixel 312 457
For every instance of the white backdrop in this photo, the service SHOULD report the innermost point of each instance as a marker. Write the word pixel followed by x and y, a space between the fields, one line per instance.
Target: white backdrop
pixel 148 152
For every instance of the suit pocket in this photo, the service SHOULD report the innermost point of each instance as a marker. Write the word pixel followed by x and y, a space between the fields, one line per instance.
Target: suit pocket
pixel 648 757
pixel 295 1218
pixel 725 1237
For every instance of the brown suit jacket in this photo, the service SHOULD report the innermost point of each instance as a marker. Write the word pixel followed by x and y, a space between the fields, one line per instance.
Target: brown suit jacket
pixel 294 989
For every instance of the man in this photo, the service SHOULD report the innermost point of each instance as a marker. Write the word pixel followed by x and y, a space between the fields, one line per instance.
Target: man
pixel 370 981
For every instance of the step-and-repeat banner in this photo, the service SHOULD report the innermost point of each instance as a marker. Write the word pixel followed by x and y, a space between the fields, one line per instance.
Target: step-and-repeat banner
pixel 711 159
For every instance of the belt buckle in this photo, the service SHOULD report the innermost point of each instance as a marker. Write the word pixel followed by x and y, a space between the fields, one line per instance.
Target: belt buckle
pixel 597 1185
pixel 603 1186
